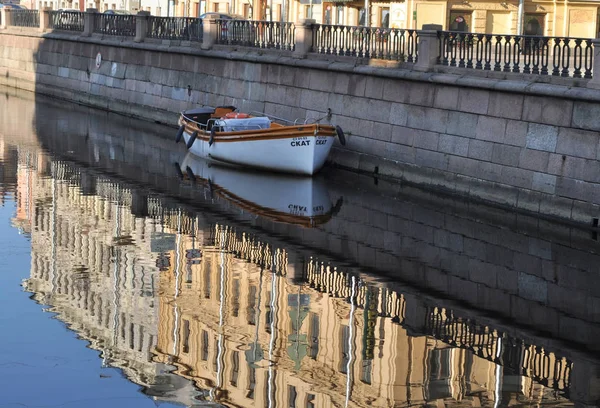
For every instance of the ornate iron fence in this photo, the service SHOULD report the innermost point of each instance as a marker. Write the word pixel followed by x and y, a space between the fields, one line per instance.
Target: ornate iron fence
pixel 259 34
pixel 66 20
pixel 25 18
pixel 115 24
pixel 175 28
pixel 366 42
pixel 558 56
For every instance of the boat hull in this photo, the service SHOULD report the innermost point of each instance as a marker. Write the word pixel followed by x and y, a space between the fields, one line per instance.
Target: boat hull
pixel 303 154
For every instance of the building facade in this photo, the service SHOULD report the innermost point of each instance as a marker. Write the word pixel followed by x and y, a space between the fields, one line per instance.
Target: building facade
pixel 548 18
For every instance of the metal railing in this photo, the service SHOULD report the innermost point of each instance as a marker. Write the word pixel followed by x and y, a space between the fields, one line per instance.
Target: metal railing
pixel 115 24
pixel 558 56
pixel 25 18
pixel 258 34
pixel 175 28
pixel 366 42
pixel 66 20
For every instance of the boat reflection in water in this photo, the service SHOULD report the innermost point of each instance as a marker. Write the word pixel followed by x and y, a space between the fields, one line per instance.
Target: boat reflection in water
pixel 284 198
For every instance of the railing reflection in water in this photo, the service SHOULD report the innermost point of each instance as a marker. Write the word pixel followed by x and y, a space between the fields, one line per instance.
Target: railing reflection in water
pixel 493 345
pixel 227 296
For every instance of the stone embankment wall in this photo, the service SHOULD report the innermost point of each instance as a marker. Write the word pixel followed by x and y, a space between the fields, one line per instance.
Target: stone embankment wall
pixel 514 143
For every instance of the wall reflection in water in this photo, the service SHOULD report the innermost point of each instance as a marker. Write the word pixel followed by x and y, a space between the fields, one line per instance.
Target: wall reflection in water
pixel 248 322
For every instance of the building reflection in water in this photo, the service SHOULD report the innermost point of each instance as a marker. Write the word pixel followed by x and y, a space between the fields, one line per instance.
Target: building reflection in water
pixel 196 310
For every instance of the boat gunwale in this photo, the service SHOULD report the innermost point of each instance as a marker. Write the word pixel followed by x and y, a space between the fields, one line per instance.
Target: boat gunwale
pixel 321 129
pixel 260 134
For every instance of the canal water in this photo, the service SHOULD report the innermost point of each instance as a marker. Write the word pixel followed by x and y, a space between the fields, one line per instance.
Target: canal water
pixel 133 275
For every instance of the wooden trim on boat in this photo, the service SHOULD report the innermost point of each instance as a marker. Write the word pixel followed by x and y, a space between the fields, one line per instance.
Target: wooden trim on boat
pixel 279 132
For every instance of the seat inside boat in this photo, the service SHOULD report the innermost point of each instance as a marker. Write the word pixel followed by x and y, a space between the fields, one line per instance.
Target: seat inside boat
pixel 205 113
pixel 200 115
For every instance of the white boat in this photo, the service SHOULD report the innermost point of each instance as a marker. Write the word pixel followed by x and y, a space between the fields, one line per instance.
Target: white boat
pixel 283 198
pixel 223 135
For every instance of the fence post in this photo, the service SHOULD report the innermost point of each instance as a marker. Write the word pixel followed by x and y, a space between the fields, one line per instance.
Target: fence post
pixel 428 47
pixel 304 38
pixel 209 32
pixel 45 19
pixel 141 26
pixel 5 17
pixel 88 22
pixel 595 81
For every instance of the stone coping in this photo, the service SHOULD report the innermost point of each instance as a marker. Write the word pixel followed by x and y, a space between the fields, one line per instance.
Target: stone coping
pixel 503 82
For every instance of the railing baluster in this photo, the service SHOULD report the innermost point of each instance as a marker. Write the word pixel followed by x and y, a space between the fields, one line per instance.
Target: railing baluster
pixel 488 52
pixel 577 58
pixel 544 56
pixel 469 50
pixel 535 55
pixel 498 53
pixel 453 45
pixel 526 55
pixel 556 57
pixel 479 52
pixel 507 53
pixel 566 58
pixel 461 50
pixel 412 46
pixel 589 58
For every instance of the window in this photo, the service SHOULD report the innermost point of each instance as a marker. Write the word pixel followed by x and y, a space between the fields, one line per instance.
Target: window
pixel 276 12
pixel 460 21
pixel 314 335
pixel 204 345
pixel 384 17
pixel 327 19
pixel 362 17
pixel 158 12
pixel 345 348
pixel 367 368
pixel 235 301
pixel 340 15
pixel 186 336
pixel 251 382
pixel 251 308
pixel 292 395
pixel 308 11
pixel 235 367
pixel 533 24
